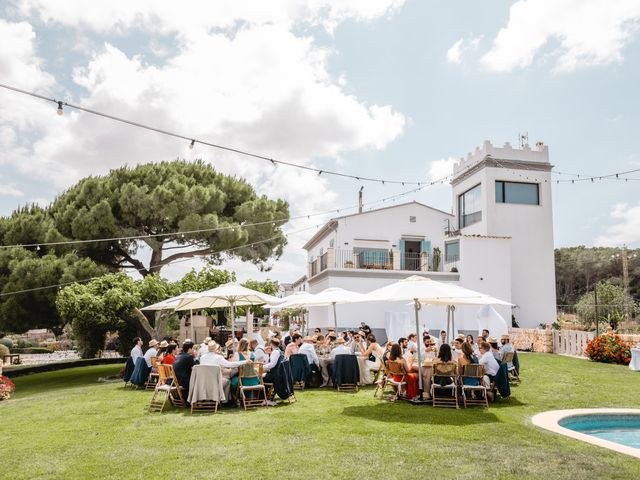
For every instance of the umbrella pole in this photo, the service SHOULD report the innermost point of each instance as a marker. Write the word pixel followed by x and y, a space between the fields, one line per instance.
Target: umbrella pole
pixel 191 323
pixel 449 323
pixel 416 305
pixel 453 319
pixel 335 318
pixel 233 319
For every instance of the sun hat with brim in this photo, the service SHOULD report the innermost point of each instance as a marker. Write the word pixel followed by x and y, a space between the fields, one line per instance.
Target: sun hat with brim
pixel 340 340
pixel 153 342
pixel 164 344
pixel 207 340
pixel 492 340
pixel 213 347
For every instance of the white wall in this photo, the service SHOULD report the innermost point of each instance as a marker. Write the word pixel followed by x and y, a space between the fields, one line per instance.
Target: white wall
pixel 529 226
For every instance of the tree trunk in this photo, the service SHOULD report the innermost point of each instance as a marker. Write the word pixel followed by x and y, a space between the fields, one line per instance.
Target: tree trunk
pixel 155 265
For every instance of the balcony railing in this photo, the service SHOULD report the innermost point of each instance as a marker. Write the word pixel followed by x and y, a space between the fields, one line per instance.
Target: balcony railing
pixel 379 259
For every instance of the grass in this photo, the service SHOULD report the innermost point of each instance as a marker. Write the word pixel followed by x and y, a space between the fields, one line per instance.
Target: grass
pixel 65 425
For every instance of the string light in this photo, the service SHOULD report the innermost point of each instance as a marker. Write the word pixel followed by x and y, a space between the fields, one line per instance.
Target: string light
pixel 193 142
pixel 60 111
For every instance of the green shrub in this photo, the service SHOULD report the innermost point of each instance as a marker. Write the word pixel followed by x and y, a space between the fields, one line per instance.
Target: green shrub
pixel 7 342
pixel 31 350
pixel 608 349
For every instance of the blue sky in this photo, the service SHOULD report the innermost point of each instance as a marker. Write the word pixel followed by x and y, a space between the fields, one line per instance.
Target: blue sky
pixel 386 88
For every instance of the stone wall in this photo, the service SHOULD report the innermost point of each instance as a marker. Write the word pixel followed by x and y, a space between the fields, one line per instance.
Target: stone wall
pixel 532 339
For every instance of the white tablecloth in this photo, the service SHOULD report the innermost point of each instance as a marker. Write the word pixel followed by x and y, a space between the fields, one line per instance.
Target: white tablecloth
pixel 635 359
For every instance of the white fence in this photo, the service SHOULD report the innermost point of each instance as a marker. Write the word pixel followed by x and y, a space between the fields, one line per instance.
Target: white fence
pixel 571 342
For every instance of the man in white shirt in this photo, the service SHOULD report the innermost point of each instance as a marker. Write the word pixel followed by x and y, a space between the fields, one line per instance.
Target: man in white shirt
pixel 152 352
pixel 136 351
pixel 412 343
pixel 340 349
pixel 443 338
pixel 457 348
pixel 213 357
pixel 309 350
pixel 488 361
pixel 259 354
pixel 274 355
pixel 203 347
pixel 358 343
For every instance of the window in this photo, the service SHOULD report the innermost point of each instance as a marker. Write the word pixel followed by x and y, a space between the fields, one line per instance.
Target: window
pixel 412 219
pixel 469 209
pixel 517 192
pixel 331 243
pixel 452 251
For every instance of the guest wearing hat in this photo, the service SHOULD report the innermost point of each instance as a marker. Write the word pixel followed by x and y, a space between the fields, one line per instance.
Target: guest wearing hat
pixel 214 357
pixel 358 343
pixel 494 348
pixel 506 347
pixel 162 349
pixel 340 349
pixel 151 352
pixel 203 346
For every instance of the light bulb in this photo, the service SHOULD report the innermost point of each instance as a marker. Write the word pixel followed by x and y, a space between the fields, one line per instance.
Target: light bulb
pixel 192 144
pixel 60 112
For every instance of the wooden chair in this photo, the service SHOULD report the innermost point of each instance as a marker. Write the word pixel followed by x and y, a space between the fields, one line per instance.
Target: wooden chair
pixel 211 374
pixel 177 396
pixel 152 381
pixel 507 358
pixel 254 400
pixel 395 368
pixel 164 389
pixel 473 394
pixel 381 380
pixel 445 396
pixel 346 373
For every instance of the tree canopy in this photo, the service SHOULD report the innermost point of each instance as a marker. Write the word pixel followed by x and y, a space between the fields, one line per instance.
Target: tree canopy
pixel 611 304
pixel 214 211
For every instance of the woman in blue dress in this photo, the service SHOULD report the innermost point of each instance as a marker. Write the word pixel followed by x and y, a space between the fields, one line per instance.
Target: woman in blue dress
pixel 250 372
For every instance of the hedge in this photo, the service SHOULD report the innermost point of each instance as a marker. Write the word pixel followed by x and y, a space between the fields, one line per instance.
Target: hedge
pixel 21 370
pixel 31 350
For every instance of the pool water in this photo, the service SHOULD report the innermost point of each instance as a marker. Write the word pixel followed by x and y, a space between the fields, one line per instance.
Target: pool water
pixel 619 428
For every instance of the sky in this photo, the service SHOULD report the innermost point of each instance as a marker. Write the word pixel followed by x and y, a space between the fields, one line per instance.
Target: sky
pixel 396 89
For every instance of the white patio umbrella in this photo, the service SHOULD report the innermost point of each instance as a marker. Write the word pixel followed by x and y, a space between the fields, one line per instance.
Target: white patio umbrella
pixel 169 303
pixel 297 300
pixel 228 295
pixel 424 290
pixel 333 296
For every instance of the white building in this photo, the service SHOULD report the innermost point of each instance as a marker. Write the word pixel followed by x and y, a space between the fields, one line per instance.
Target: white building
pixel 498 241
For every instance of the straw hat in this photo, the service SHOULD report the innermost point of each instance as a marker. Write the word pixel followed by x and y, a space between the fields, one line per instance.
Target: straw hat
pixel 504 337
pixel 229 344
pixel 153 342
pixel 207 340
pixel 492 340
pixel 460 337
pixel 362 334
pixel 340 340
pixel 213 346
pixel 164 344
pixel 332 334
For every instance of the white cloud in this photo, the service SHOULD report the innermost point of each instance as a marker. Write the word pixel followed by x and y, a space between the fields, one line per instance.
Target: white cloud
pixel 462 46
pixel 439 169
pixel 237 75
pixel 590 32
pixel 10 190
pixel 627 228
pixel 454 54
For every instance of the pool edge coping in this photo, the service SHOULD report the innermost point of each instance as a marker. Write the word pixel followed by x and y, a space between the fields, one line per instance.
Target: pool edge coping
pixel 551 421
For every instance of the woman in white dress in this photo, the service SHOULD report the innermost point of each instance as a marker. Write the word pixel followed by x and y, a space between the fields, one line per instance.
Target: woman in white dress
pixel 373 355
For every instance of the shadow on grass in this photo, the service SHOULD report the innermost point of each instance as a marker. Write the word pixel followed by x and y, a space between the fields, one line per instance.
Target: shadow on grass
pixel 421 414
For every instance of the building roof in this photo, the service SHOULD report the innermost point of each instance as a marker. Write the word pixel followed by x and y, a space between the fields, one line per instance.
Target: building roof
pixel 331 224
pixel 477 235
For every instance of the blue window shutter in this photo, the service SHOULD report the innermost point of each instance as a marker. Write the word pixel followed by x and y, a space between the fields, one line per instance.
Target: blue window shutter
pixel 425 246
pixel 401 245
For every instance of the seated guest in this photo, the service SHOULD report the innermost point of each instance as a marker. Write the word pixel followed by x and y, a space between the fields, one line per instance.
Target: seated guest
pixel 184 364
pixel 274 355
pixel 470 341
pixel 412 342
pixel 243 354
pixel 259 353
pixel 444 357
pixel 494 348
pixel 365 328
pixel 293 346
pixel 506 347
pixel 429 351
pixel 214 357
pixel 457 348
pixel 395 355
pixel 467 357
pixel 136 351
pixel 162 349
pixel 443 338
pixel 152 352
pixel 340 349
pixel 289 338
pixel 278 337
pixel 203 346
pixel 170 356
pixel 404 343
pixel 387 352
pixel 484 336
pixel 489 362
pixel 317 332
pixel 373 353
pixel 308 348
pixel 358 343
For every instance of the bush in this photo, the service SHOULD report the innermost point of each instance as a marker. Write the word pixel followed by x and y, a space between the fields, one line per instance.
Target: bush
pixel 609 349
pixel 7 342
pixel 7 387
pixel 31 350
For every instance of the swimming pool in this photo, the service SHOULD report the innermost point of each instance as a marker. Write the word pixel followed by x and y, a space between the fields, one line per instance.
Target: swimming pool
pixel 619 428
pixel 613 428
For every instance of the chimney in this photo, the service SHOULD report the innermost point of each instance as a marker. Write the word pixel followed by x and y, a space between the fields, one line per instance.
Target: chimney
pixel 360 200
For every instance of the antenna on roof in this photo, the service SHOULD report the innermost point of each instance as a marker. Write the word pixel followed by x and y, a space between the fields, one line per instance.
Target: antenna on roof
pixel 523 139
pixel 360 200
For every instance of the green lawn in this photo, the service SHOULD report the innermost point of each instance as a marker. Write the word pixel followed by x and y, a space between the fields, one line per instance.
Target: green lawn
pixel 65 425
